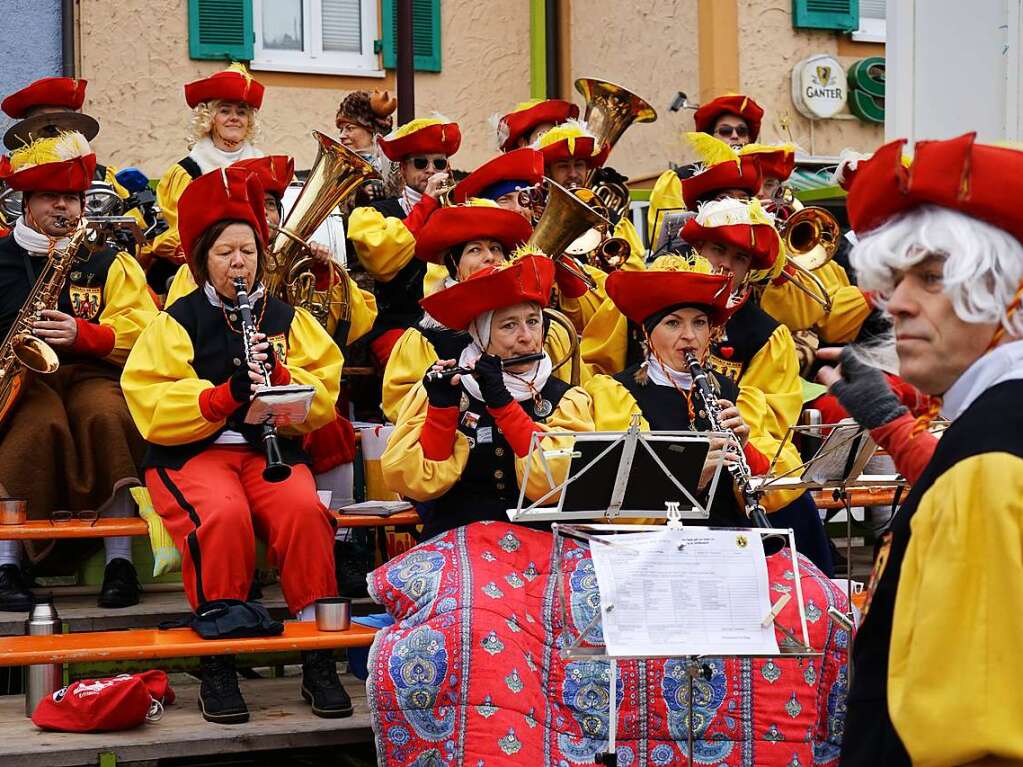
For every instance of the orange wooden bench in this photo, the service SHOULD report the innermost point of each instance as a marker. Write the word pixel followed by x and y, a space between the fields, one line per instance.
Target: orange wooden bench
pixel 149 644
pixel 106 528
pixel 872 496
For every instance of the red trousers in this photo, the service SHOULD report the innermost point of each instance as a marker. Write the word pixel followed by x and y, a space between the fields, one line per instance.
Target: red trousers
pixel 216 505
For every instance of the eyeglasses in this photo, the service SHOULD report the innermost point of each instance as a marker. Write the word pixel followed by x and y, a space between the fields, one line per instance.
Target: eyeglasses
pixel 64 517
pixel 422 163
pixel 740 131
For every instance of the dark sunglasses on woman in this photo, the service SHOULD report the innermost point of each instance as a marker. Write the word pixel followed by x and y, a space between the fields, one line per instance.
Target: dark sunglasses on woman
pixel 725 131
pixel 422 163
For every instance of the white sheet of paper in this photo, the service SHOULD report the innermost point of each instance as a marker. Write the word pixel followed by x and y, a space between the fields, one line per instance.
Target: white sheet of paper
pixel 707 598
pixel 284 405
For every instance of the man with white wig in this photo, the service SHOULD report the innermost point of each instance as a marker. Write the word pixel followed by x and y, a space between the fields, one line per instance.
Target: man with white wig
pixel 940 240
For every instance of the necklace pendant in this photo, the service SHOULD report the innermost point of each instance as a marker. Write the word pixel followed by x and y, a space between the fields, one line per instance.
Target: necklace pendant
pixel 542 407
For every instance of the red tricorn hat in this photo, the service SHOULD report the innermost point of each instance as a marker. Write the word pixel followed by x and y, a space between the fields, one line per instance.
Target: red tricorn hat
pixel 526 116
pixel 741 106
pixel 48 92
pixel 519 168
pixel 572 140
pixel 227 194
pixel 743 173
pixel 423 136
pixel 233 84
pixel 639 295
pixel 739 223
pixel 959 174
pixel 448 227
pixel 527 280
pixel 64 163
pixel 776 162
pixel 275 172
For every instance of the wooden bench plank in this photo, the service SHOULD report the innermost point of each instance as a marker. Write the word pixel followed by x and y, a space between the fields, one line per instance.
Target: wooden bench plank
pixel 134 526
pixel 280 720
pixel 871 496
pixel 138 644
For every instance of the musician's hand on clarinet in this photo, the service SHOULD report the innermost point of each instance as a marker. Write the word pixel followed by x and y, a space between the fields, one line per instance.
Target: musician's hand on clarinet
pixel 442 392
pixel 490 374
pixel 861 389
pixel 731 420
pixel 717 453
pixel 263 359
pixel 437 184
pixel 56 328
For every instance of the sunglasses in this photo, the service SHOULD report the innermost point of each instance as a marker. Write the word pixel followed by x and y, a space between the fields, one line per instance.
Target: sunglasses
pixel 64 517
pixel 422 163
pixel 741 131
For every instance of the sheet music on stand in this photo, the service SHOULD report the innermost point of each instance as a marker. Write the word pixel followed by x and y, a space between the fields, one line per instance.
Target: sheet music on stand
pixel 669 239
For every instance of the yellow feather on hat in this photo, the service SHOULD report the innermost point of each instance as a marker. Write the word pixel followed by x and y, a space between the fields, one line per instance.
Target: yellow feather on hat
pixel 65 146
pixel 570 130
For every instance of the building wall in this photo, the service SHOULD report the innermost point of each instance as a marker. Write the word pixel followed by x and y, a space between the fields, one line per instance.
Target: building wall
pixel 29 48
pixel 769 47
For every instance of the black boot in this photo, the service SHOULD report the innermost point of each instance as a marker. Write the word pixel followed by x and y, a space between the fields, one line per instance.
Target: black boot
pixel 220 700
pixel 351 565
pixel 121 587
pixel 321 687
pixel 15 596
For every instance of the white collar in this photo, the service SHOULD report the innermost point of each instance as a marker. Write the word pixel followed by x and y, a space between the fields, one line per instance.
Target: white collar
pixel 208 156
pixel 409 198
pixel 214 297
pixel 1003 363
pixel 662 375
pixel 36 243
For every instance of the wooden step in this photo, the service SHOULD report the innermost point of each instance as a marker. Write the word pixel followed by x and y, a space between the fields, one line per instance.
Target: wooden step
pixel 279 720
pixel 36 529
pixel 154 644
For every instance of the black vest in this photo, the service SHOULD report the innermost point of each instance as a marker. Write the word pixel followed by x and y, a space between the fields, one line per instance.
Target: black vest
pixel 488 486
pixel 218 351
pixel 81 296
pixel 666 410
pixel 870 738
pixel 397 300
pixel 746 333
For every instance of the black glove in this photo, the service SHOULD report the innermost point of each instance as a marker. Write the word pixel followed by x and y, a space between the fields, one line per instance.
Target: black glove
pixel 440 392
pixel 241 384
pixel 491 378
pixel 864 392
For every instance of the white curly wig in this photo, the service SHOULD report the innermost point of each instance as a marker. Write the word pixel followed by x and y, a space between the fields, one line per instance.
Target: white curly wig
pixel 202 122
pixel 983 265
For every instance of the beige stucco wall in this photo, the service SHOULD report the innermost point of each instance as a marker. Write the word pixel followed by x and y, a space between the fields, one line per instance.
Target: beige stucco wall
pixel 135 55
pixel 651 49
pixel 769 48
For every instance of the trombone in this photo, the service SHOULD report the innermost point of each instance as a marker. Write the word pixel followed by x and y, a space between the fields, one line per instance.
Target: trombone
pixel 811 238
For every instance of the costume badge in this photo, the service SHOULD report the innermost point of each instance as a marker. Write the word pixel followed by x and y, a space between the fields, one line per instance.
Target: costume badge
pixel 86 300
pixel 279 343
pixel 485 435
pixel 728 368
pixel 470 419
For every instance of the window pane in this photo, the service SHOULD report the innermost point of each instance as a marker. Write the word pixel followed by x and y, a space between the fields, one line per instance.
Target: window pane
pixel 282 25
pixel 873 9
pixel 342 25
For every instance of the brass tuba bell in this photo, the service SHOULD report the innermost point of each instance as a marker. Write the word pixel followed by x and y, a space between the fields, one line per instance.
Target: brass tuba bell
pixel 564 219
pixel 611 109
pixel 336 174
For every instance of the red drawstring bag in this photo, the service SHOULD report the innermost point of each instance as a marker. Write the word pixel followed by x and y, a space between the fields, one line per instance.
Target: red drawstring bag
pixel 105 705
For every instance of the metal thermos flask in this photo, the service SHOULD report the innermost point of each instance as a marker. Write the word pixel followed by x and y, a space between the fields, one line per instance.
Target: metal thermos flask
pixel 41 681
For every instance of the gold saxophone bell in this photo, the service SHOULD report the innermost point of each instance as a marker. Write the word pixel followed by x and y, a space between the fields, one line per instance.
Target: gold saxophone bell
pixel 564 219
pixel 573 355
pixel 811 236
pixel 336 174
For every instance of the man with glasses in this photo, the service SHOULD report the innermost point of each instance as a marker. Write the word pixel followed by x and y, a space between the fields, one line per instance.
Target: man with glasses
pixel 734 119
pixel 383 232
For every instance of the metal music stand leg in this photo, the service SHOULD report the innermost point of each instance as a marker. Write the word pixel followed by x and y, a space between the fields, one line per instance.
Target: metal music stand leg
pixel 841 494
pixel 610 757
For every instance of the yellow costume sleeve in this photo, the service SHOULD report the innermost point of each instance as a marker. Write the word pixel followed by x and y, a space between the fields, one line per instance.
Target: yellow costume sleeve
pixel 952 695
pixel 383 244
pixel 182 284
pixel 574 413
pixel 314 360
pixel 637 253
pixel 666 194
pixel 110 177
pixel 161 387
pixel 581 310
pixel 797 311
pixel 605 340
pixel 406 366
pixel 613 406
pixel 558 345
pixel 770 399
pixel 363 309
pixel 168 192
pixel 406 470
pixel 434 278
pixel 127 305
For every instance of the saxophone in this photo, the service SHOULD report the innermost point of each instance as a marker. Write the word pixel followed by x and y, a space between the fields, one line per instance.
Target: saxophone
pixel 739 470
pixel 23 353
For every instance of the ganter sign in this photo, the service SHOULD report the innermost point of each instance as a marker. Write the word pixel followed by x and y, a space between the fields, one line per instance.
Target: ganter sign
pixel 819 88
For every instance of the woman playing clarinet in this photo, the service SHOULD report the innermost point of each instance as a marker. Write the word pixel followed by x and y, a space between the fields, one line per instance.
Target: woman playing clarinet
pixel 188 383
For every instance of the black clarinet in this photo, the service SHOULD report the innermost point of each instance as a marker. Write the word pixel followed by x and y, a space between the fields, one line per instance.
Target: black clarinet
pixel 276 469
pixel 739 470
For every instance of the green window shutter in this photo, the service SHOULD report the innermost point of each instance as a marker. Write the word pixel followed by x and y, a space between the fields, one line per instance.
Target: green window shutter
pixel 826 14
pixel 220 29
pixel 425 34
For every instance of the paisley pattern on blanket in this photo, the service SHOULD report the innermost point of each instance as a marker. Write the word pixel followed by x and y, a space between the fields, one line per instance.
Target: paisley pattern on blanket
pixel 472 674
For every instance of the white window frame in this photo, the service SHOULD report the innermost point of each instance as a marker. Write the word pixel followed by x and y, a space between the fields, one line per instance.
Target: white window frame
pixel 314 60
pixel 872 30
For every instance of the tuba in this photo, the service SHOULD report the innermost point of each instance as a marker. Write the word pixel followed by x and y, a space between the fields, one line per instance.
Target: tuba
pixel 565 218
pixel 811 237
pixel 23 353
pixel 336 173
pixel 611 109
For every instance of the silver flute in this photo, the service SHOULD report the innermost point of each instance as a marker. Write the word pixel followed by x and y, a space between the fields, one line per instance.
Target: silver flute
pixel 739 470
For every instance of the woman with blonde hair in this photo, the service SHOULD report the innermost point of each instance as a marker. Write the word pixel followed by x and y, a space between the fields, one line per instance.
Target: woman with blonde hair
pixel 225 108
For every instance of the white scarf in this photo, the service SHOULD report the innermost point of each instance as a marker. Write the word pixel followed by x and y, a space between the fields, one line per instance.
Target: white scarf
pixel 209 157
pixel 214 297
pixel 36 243
pixel 409 198
pixel 662 375
pixel 1003 363
pixel 522 386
